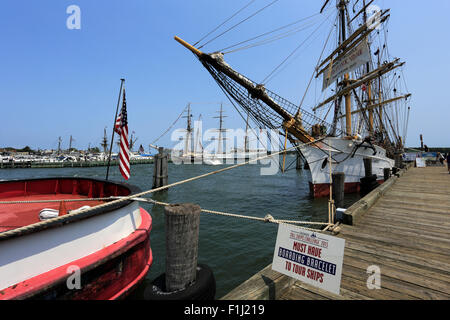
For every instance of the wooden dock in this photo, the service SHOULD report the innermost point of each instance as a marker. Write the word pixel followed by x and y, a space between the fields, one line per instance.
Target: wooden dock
pixel 403 228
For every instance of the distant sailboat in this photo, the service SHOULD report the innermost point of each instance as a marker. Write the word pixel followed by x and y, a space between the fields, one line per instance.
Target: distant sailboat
pixel 219 156
pixel 189 154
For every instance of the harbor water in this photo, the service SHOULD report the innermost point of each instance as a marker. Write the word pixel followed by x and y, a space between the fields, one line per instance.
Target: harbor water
pixel 234 248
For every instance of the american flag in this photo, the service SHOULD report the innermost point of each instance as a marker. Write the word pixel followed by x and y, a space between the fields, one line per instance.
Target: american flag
pixel 121 128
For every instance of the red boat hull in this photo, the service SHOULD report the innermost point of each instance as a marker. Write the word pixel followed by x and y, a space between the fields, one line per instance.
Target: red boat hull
pixel 110 273
pixel 321 190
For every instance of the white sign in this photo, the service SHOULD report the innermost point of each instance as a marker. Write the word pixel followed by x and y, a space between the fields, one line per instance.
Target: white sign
pixel 311 257
pixel 353 59
pixel 420 163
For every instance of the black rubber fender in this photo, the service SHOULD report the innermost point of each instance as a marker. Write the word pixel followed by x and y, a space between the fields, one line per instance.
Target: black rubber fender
pixel 204 288
pixel 369 180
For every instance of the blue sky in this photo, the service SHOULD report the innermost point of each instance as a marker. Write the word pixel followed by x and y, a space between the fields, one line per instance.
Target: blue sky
pixel 60 82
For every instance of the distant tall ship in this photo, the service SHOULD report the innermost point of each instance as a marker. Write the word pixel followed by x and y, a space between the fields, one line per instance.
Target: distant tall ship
pixel 190 152
pixel 365 111
pixel 237 153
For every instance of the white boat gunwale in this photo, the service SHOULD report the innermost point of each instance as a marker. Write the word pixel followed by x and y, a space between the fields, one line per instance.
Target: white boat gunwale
pixel 68 218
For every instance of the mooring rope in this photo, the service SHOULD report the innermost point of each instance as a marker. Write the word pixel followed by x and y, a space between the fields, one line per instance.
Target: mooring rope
pixel 27 228
pixel 267 218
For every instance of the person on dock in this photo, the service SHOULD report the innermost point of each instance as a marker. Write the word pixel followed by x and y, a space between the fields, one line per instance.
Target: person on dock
pixel 441 158
pixel 448 162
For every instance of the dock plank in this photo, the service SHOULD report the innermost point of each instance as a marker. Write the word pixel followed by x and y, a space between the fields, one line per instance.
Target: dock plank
pixel 404 274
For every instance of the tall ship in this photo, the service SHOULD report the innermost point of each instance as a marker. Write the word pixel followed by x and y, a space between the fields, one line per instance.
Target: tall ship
pixel 365 105
pixel 190 152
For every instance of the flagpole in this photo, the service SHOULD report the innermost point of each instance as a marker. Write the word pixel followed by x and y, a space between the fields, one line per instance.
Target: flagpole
pixel 114 124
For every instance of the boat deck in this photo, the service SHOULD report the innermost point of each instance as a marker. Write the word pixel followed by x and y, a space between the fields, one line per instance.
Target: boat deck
pixel 17 215
pixel 405 233
pixel 31 192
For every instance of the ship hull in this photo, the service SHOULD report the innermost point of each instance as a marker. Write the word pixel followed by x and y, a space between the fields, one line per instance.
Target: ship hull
pixel 187 158
pixel 217 158
pixel 238 157
pixel 346 157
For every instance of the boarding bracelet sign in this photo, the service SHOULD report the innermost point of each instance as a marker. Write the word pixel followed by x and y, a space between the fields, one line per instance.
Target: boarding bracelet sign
pixel 311 257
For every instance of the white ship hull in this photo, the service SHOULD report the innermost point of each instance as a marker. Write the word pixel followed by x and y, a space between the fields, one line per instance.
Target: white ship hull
pixel 217 159
pixel 196 158
pixel 344 161
pixel 239 155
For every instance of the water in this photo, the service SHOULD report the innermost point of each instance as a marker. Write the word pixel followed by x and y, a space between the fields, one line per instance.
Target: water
pixel 234 248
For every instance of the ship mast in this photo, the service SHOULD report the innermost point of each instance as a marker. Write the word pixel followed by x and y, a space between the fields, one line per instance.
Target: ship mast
pixel 380 108
pixel 369 85
pixel 187 145
pixel 220 142
pixel 132 142
pixel 105 142
pixel 246 135
pixel 59 145
pixel 198 142
pixel 70 143
pixel 348 102
pixel 355 47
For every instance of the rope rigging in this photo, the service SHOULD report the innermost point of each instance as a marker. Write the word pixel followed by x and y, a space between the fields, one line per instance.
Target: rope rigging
pixel 296 49
pixel 239 23
pixel 282 35
pixel 236 13
pixel 170 127
pixel 270 40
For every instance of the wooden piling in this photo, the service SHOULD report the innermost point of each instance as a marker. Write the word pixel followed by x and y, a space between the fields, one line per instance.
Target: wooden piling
pixel 387 173
pixel 338 189
pixel 156 171
pixel 368 166
pixel 369 182
pixel 164 167
pixel 182 229
pixel 398 160
pixel 160 169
